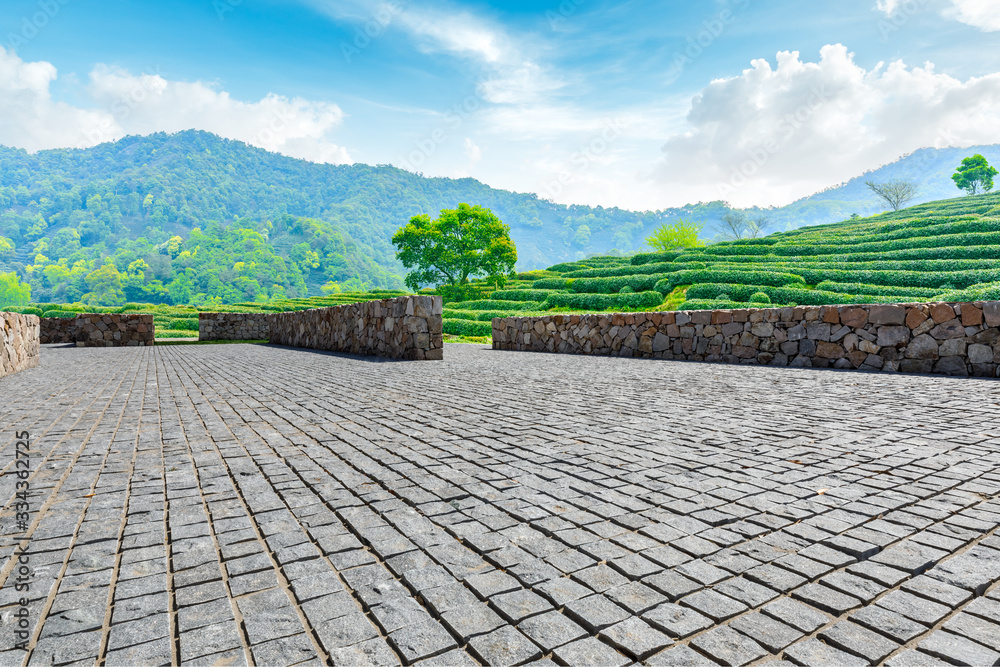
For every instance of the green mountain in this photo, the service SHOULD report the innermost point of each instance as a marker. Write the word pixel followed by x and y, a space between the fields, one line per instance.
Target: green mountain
pixel 929 168
pixel 194 216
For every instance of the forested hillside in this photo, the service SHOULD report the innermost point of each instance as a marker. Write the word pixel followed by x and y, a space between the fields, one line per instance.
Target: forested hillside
pixel 193 217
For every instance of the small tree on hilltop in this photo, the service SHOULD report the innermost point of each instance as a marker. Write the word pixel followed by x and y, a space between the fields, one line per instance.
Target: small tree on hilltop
pixel 463 243
pixel 974 175
pixel 896 193
pixel 679 234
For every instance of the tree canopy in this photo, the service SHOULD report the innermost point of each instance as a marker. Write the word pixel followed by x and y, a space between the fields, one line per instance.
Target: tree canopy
pixel 679 234
pixel 974 175
pixel 12 291
pixel 896 192
pixel 463 243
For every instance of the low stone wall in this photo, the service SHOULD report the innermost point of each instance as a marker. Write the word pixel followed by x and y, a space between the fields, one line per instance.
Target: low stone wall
pixel 406 327
pixel 57 330
pixel 943 338
pixel 19 345
pixel 233 326
pixel 100 330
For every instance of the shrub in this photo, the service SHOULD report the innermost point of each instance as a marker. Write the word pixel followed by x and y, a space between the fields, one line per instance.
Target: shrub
pixel 552 283
pixel 520 295
pixel 760 297
pixel 468 328
pixel 604 301
pixel 614 285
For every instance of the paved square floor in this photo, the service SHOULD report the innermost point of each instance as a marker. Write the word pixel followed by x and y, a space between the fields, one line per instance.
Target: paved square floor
pixel 243 504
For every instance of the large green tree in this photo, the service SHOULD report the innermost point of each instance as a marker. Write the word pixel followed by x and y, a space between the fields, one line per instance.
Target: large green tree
pixel 12 291
pixel 974 175
pixel 463 243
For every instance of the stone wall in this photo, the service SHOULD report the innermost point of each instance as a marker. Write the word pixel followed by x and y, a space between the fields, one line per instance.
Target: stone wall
pixel 406 327
pixel 57 330
pixel 100 330
pixel 19 344
pixel 233 326
pixel 943 338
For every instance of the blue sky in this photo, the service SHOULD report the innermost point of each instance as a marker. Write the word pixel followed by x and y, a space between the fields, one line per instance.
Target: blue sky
pixel 636 104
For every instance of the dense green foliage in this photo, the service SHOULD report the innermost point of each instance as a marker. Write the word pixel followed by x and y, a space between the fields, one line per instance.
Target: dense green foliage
pixel 974 175
pixel 139 193
pixel 465 242
pixel 13 292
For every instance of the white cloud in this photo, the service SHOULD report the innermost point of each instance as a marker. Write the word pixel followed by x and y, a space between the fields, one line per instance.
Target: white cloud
pixel 125 103
pixel 982 14
pixel 774 134
pixel 29 117
pixel 472 151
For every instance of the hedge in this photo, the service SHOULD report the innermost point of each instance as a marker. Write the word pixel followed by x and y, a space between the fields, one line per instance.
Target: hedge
pixel 613 285
pixel 468 328
pixel 552 283
pixel 661 267
pixel 494 304
pixel 881 290
pixel 604 301
pixel 520 294
pixel 655 257
pixel 771 278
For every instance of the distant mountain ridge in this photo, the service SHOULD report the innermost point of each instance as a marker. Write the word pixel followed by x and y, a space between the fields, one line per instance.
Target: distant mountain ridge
pixel 318 223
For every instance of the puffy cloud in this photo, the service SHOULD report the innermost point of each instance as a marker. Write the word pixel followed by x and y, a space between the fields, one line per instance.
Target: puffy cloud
pixel 29 117
pixel 982 14
pixel 774 134
pixel 127 103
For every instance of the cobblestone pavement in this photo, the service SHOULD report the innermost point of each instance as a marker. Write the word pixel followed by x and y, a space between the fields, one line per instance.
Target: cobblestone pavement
pixel 240 504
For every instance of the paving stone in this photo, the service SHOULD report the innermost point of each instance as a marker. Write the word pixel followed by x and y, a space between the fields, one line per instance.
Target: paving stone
pixel 157 652
pixel 957 649
pixel 590 651
pixel 937 591
pixel 635 597
pixel 600 578
pixel 766 631
pixel 595 612
pixel 421 640
pixel 677 621
pixel 914 658
pixel 454 658
pixel 285 651
pixel 673 584
pixel 827 599
pixel 466 622
pixel 746 591
pixel 562 590
pixel 209 640
pixel 888 623
pixel 551 630
pixel 913 607
pixel 814 652
pixel 503 647
pixel 636 638
pixel 796 614
pixel 728 646
pixel 910 556
pixel 518 605
pixel 681 656
pixel 975 628
pixel 865 590
pixel 858 640
pixel 713 604
pixel 397 613
pixel 324 449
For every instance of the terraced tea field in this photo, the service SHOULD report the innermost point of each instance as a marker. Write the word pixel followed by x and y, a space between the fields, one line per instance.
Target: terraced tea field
pixel 946 250
pixel 940 251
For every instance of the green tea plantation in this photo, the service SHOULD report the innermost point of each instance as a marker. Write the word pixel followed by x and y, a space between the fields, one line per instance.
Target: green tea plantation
pixel 940 251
